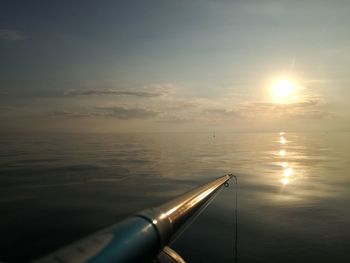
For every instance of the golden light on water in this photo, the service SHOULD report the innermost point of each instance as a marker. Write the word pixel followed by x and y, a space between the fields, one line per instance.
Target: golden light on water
pixel 288 172
pixel 284 164
pixel 287 175
pixel 283 140
pixel 285 181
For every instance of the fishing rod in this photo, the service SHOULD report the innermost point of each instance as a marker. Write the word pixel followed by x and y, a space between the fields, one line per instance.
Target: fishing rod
pixel 146 236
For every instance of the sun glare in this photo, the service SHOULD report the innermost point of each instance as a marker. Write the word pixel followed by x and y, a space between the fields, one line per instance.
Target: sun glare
pixel 283 90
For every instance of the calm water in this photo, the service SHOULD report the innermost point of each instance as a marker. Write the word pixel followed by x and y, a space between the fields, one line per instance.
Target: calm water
pixel 293 192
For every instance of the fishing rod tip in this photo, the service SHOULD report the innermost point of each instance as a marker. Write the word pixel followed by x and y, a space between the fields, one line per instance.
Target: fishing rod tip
pixel 233 176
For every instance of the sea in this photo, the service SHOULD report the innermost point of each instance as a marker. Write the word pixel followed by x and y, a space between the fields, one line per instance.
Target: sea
pixel 292 192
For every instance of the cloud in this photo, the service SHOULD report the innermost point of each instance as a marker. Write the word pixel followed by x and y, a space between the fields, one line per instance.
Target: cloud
pixel 17 110
pixel 112 112
pixel 152 90
pixel 11 35
pixel 126 113
pixel 69 114
pixel 310 109
pixel 164 88
pixel 99 92
pixel 175 119
pixel 222 110
pixel 313 115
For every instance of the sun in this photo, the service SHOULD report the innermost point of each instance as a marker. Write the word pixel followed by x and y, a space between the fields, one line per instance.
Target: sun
pixel 283 90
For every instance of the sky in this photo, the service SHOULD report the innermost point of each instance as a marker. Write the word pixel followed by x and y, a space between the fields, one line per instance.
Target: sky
pixel 174 65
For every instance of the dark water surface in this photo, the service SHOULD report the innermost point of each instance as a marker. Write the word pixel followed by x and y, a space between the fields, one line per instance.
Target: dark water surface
pixel 293 191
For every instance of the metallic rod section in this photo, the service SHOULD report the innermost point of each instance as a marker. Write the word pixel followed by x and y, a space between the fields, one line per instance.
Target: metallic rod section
pixel 170 217
pixel 141 237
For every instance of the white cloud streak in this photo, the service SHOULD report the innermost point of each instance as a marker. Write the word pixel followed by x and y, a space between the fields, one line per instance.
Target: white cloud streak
pixel 122 113
pixel 101 92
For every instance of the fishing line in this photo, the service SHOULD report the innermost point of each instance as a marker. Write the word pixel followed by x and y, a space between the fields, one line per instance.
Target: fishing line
pixel 235 234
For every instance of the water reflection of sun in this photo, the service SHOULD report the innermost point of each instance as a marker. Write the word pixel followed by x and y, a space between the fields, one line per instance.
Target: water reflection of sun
pixel 283 140
pixel 285 181
pixel 287 174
